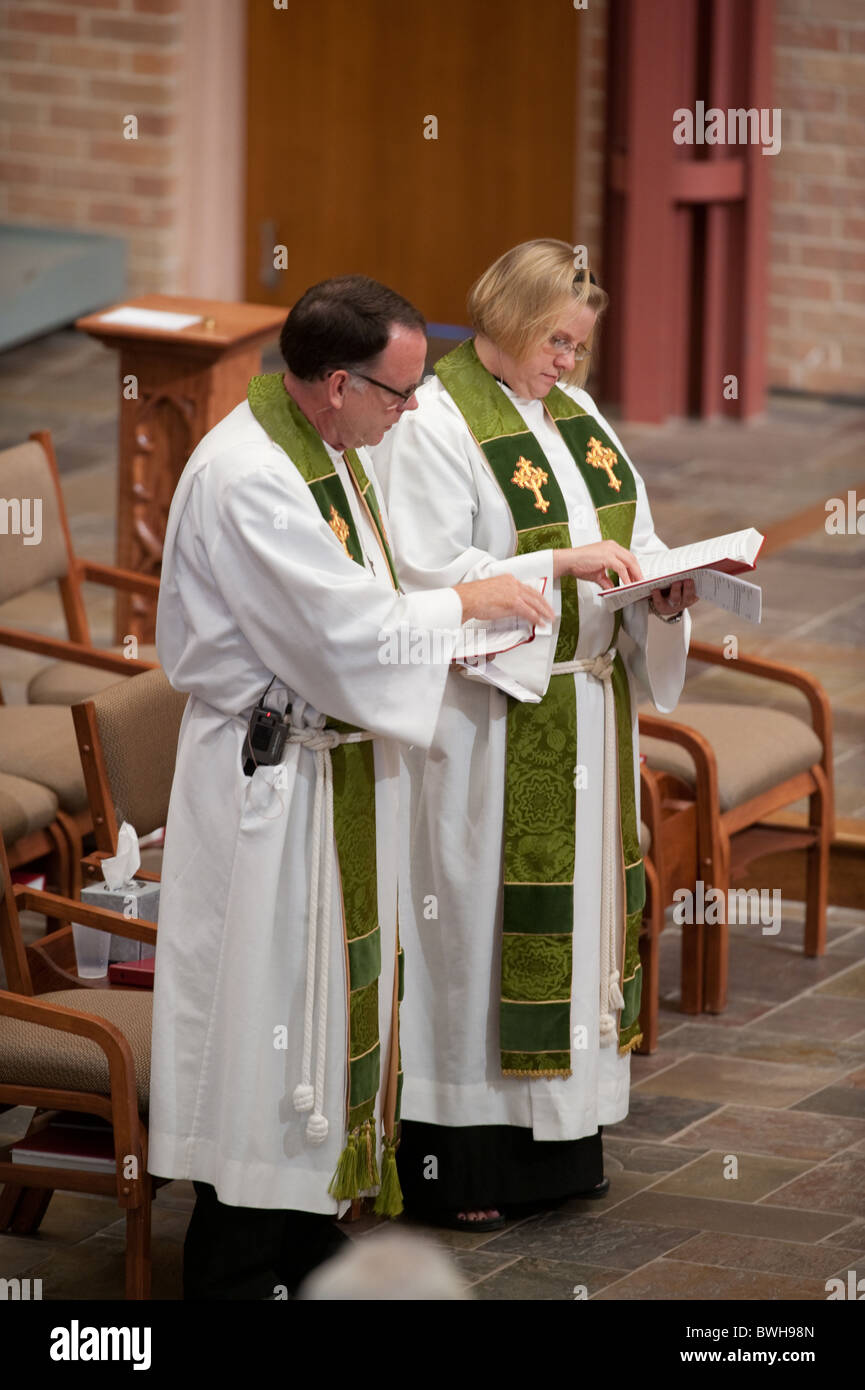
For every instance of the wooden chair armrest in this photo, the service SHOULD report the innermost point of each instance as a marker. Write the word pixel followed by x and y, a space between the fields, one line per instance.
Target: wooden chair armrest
pixel 706 795
pixel 650 812
pixel 116 578
pixel 818 700
pixel 91 867
pixel 65 1019
pixel 65 650
pixel 650 797
pixel 73 910
pixel 693 742
pixel 121 1074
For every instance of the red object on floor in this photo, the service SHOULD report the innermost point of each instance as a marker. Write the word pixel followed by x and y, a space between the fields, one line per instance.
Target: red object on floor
pixel 27 877
pixel 71 1143
pixel 133 972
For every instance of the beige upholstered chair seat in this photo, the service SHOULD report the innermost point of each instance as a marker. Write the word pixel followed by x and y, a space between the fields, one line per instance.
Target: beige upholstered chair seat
pixel 756 749
pixel 39 745
pixel 31 1055
pixel 140 770
pixel 25 471
pixel 645 839
pixel 24 807
pixel 151 859
pixel 68 682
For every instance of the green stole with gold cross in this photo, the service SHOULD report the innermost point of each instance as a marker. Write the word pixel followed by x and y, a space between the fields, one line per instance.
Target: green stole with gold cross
pixel 540 786
pixel 353 817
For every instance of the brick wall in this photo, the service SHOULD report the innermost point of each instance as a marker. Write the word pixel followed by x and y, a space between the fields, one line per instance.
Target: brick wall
pixel 71 70
pixel 817 295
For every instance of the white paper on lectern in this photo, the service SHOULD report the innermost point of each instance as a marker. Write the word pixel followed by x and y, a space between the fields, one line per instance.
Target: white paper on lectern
pixel 131 317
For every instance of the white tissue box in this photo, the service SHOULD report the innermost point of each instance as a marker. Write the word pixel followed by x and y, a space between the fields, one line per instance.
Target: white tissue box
pixel 138 898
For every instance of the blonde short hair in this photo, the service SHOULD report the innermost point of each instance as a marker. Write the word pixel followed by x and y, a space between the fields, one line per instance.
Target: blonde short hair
pixel 516 302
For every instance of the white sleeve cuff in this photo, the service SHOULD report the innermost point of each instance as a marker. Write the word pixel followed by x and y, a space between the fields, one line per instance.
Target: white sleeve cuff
pixel 537 564
pixel 666 658
pixel 440 609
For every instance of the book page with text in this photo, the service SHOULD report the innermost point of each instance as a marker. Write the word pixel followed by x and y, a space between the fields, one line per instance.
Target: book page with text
pixel 742 547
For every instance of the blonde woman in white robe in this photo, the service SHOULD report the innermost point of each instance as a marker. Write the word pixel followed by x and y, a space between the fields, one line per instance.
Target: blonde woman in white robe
pixel 480 1137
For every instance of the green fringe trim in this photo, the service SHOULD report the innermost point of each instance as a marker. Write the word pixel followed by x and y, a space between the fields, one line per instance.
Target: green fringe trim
pixel 343 1185
pixel 367 1168
pixel 389 1200
pixel 357 1171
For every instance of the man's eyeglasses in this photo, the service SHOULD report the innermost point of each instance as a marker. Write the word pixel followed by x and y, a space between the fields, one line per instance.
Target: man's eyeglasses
pixel 580 351
pixel 405 396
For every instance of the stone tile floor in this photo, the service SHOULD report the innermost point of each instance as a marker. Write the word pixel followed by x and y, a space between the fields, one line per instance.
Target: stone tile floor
pixel 739 1172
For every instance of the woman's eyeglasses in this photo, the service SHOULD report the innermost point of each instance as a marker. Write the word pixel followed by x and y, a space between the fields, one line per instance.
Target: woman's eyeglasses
pixel 580 351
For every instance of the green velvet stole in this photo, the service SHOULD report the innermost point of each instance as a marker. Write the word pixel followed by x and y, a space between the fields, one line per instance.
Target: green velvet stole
pixel 353 814
pixel 540 781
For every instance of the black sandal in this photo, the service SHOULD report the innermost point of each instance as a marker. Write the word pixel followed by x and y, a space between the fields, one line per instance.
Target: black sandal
pixel 600 1190
pixel 454 1222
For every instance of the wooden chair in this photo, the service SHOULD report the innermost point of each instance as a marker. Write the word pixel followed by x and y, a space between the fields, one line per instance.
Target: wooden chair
pixel 37 741
pixel 30 471
pixel 37 745
pixel 723 769
pixel 127 741
pixel 76 1049
pixel 650 934
pixel 31 825
pixel 668 860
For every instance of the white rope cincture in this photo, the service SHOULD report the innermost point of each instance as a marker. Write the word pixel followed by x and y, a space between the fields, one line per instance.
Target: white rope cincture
pixel 319 741
pixel 601 667
pixel 316 1125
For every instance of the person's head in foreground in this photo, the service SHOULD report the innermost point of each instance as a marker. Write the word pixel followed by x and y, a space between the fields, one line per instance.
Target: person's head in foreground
pixel 534 317
pixel 354 352
pixel 386 1267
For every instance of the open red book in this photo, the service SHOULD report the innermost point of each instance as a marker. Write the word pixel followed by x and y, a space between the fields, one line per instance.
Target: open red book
pixel 70 1141
pixel 710 563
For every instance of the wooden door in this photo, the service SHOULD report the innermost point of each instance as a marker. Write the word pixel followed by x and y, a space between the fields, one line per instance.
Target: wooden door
pixel 339 170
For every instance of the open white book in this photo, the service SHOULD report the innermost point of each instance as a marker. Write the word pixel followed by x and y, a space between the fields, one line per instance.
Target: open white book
pixel 508 652
pixel 712 564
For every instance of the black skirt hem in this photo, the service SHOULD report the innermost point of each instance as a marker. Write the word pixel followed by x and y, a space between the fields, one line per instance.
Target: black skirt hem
pixel 480 1167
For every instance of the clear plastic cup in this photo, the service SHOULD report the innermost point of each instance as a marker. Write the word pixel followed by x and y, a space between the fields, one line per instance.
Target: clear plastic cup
pixel 92 948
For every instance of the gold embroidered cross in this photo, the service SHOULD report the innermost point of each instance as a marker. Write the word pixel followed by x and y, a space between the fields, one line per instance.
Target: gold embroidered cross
pixel 340 529
pixel 526 475
pixel 599 457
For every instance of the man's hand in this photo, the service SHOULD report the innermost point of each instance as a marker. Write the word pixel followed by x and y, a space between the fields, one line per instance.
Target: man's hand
pixel 675 598
pixel 592 562
pixel 503 597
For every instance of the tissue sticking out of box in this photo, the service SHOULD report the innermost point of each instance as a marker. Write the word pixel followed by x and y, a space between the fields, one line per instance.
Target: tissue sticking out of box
pixel 121 870
pixel 121 892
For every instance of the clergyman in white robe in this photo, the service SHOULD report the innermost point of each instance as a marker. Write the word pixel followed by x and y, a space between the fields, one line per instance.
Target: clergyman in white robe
pixel 449 522
pixel 246 597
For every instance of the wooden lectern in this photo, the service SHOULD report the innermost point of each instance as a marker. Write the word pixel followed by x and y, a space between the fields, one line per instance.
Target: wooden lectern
pixel 175 385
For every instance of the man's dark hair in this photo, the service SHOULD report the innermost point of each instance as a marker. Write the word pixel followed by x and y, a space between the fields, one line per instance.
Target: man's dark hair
pixel 342 322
